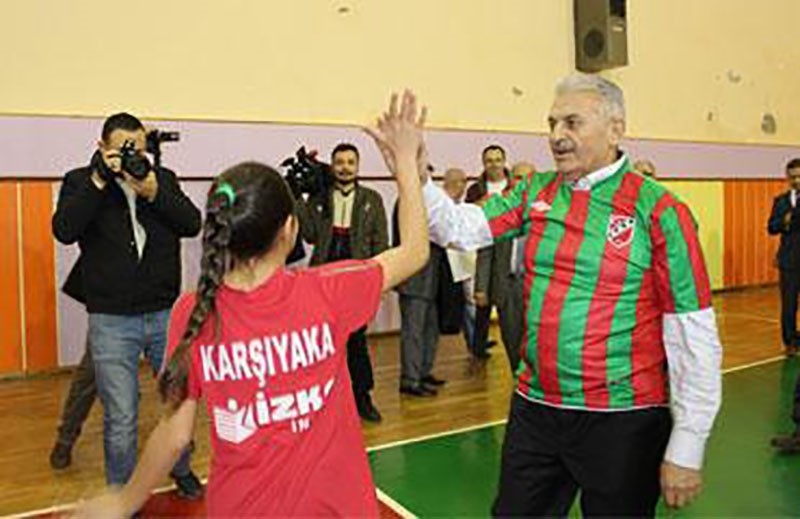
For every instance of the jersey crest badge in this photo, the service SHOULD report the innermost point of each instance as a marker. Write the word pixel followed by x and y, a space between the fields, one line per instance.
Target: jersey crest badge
pixel 620 230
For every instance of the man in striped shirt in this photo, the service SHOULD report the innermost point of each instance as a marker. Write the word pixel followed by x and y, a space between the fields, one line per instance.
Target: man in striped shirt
pixel 619 328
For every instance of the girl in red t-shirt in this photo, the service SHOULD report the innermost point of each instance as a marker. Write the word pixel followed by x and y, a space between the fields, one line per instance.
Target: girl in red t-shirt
pixel 265 347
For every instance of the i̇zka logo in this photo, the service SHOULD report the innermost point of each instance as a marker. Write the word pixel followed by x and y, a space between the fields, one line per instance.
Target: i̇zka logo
pixel 620 230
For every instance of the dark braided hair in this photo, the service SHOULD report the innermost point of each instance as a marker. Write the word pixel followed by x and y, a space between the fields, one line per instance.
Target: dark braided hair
pixel 247 205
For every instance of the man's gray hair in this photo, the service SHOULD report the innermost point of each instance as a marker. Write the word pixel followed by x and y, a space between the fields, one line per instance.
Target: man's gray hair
pixel 609 92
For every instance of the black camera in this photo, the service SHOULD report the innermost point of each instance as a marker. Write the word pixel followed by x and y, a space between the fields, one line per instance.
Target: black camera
pixel 153 143
pixel 133 162
pixel 307 175
pixel 156 137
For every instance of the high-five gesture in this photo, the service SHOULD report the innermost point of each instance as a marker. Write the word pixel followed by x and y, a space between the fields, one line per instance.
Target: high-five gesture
pixel 398 132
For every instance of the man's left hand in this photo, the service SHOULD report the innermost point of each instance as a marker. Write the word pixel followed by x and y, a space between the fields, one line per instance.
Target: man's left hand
pixel 680 486
pixel 146 188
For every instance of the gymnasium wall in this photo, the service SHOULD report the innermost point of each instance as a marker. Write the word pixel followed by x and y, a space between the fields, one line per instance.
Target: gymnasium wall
pixel 243 79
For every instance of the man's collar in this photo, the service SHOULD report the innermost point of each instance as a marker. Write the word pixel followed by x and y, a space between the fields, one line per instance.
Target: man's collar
pixel 586 183
pixel 345 190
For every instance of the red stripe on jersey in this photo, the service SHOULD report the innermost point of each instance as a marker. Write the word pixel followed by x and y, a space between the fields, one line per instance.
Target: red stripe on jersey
pixel 538 224
pixel 702 285
pixel 512 219
pixel 610 282
pixel 648 357
pixel 658 249
pixel 560 282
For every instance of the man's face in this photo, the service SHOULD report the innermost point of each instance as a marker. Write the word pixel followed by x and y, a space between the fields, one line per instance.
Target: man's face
pixel 494 163
pixel 455 184
pixel 345 167
pixel 110 147
pixel 583 138
pixel 520 172
pixel 793 175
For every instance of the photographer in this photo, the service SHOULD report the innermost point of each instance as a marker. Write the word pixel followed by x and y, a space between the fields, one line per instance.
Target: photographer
pixel 128 218
pixel 347 222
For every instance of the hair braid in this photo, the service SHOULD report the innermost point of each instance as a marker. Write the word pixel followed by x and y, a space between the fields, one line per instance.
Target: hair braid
pixel 216 236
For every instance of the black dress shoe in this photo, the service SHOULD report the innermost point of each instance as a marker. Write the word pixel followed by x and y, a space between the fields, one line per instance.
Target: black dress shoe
pixel 189 486
pixel 367 410
pixel 61 456
pixel 420 390
pixel 789 443
pixel 430 380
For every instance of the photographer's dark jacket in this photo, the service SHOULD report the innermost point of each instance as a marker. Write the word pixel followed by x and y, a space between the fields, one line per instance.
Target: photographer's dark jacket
pixel 368 231
pixel 109 277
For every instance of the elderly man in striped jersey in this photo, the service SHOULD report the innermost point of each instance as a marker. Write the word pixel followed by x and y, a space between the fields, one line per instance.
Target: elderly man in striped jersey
pixel 620 381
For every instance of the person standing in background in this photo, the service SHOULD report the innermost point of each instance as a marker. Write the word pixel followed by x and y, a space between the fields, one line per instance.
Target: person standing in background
pixel 350 224
pixel 784 220
pixel 493 261
pixel 129 230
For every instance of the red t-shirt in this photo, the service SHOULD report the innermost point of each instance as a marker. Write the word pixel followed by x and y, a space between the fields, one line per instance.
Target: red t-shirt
pixel 285 434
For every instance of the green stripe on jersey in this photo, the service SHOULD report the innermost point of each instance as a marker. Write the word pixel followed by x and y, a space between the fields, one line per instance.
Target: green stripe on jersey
pixel 681 273
pixel 543 266
pixel 575 313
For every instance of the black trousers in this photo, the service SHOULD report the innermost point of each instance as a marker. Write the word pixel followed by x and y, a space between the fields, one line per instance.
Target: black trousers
pixel 796 408
pixel 790 289
pixel 82 394
pixel 358 363
pixel 483 316
pixel 613 458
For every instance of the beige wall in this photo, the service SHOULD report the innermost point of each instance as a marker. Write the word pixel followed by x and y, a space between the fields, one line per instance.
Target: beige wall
pixel 303 61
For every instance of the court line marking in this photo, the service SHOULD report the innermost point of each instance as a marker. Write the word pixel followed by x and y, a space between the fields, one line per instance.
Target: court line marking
pixel 755 364
pixel 494 423
pixel 396 507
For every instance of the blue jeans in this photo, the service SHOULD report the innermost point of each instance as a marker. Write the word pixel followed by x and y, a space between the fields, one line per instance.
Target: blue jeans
pixel 117 342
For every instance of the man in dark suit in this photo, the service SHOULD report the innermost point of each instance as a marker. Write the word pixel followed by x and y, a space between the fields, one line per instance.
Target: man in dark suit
pixel 349 224
pixel 785 221
pixel 494 262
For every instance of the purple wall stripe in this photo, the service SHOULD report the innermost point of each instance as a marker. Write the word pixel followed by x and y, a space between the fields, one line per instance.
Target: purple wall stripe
pixel 48 146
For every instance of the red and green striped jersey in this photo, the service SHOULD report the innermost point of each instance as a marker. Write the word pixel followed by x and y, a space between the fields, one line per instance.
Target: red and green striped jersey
pixel 603 266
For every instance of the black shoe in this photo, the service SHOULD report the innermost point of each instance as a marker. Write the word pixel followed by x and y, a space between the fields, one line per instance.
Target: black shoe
pixel 491 344
pixel 189 487
pixel 430 380
pixel 420 390
pixel 61 456
pixel 787 443
pixel 367 410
